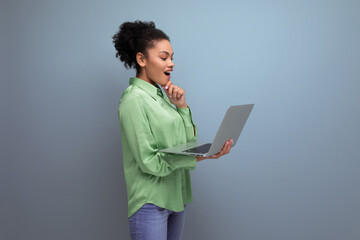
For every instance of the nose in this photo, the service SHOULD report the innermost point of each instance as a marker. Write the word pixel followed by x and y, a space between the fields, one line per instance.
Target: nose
pixel 171 64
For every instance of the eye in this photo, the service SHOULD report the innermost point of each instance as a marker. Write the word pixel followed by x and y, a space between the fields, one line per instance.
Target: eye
pixel 164 59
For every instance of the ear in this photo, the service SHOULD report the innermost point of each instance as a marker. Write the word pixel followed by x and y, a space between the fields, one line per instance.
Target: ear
pixel 141 59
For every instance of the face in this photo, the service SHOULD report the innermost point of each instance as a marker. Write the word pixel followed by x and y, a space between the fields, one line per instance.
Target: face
pixel 157 66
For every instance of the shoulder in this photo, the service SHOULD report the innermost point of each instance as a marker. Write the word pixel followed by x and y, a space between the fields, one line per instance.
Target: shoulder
pixel 132 93
pixel 132 99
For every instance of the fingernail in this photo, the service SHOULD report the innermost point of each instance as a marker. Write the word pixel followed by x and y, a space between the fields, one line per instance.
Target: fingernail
pixel 166 87
pixel 213 156
pixel 170 96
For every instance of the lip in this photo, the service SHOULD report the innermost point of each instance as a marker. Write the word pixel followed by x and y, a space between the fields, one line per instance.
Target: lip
pixel 169 71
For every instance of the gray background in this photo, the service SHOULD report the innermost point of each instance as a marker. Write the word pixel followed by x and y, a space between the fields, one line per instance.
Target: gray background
pixel 294 173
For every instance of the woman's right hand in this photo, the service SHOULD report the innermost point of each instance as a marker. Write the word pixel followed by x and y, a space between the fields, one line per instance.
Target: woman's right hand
pixel 225 150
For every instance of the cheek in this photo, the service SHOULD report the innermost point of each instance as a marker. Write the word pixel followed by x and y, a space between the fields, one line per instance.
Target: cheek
pixel 158 67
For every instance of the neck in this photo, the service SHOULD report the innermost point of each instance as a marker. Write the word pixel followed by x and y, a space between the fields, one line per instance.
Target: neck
pixel 144 77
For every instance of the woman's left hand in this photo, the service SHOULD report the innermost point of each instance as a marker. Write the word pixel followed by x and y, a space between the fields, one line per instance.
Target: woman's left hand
pixel 175 94
pixel 225 150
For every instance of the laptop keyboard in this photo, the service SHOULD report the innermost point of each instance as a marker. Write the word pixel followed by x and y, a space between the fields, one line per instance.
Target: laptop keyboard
pixel 199 149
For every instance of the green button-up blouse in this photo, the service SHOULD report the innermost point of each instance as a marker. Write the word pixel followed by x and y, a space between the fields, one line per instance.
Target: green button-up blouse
pixel 148 123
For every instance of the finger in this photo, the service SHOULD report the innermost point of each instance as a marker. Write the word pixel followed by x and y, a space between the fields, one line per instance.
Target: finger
pixel 167 85
pixel 173 94
pixel 171 89
pixel 231 141
pixel 179 96
pixel 228 147
pixel 231 144
pixel 226 144
pixel 165 90
pixel 176 93
pixel 222 152
pixel 225 150
pixel 180 93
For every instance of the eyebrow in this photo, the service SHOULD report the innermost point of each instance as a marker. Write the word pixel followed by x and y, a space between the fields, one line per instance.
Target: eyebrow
pixel 166 53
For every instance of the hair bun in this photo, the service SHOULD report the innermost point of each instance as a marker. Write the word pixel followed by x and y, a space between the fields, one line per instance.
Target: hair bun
pixel 134 37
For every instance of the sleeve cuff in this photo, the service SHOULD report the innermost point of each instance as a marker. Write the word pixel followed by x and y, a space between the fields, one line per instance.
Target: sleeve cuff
pixel 183 161
pixel 188 162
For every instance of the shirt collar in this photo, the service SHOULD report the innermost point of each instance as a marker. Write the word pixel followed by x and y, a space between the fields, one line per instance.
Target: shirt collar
pixel 147 87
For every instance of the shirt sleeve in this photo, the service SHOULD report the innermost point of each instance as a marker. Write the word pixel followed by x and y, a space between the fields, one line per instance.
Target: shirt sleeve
pixel 134 123
pixel 190 127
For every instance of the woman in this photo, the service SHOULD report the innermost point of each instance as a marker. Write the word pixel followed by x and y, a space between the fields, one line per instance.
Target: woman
pixel 158 184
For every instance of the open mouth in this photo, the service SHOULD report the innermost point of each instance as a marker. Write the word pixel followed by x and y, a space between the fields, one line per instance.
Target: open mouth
pixel 167 73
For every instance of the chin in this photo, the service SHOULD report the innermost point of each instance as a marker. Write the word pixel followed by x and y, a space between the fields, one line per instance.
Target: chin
pixel 163 82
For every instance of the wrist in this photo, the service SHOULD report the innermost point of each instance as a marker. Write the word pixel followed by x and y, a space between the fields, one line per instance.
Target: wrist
pixel 183 106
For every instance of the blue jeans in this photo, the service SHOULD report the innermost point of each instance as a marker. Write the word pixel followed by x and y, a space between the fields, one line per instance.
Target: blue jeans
pixel 151 222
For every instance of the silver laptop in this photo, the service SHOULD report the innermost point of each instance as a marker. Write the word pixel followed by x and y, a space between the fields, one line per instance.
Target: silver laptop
pixel 230 128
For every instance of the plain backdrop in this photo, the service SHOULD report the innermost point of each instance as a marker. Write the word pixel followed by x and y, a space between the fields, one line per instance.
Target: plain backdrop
pixel 294 172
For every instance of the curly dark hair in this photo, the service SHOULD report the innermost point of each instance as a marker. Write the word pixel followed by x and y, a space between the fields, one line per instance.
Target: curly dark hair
pixel 134 37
